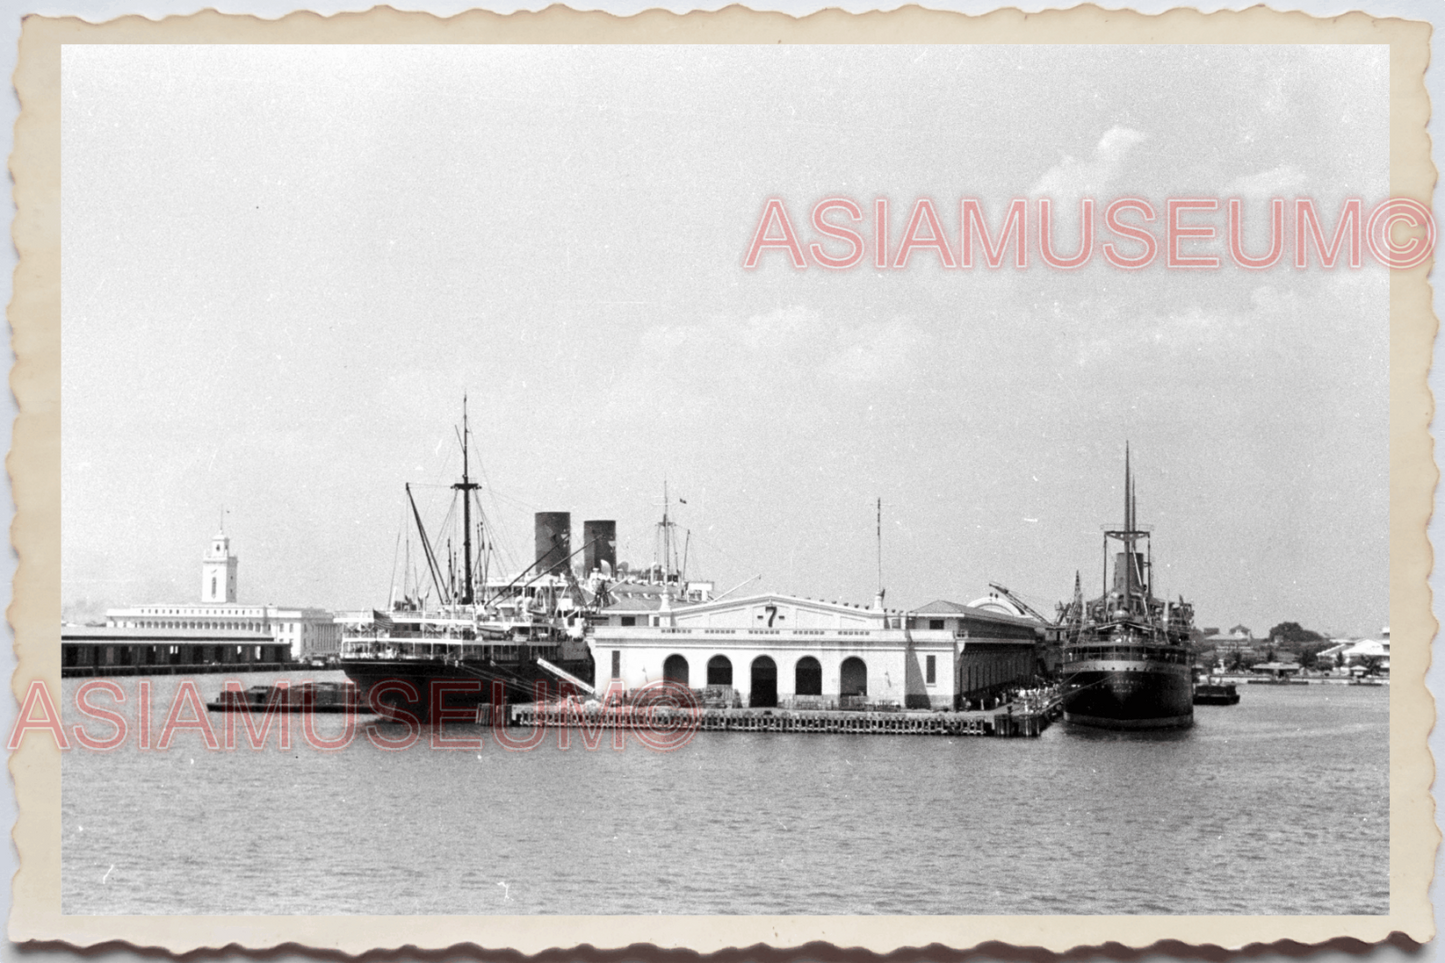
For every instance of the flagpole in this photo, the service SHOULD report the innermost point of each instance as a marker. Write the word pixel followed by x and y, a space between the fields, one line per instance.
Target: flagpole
pixel 880 546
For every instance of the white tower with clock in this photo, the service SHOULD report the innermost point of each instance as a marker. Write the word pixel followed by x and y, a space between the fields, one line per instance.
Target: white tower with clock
pixel 218 572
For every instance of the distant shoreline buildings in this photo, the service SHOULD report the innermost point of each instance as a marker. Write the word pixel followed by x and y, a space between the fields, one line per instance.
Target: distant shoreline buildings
pixel 215 634
pixel 1239 648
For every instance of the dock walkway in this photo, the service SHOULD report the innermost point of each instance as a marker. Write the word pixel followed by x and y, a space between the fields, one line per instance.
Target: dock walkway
pixel 1009 721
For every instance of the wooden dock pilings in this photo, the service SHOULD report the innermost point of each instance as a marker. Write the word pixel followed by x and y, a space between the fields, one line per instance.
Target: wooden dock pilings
pixel 997 723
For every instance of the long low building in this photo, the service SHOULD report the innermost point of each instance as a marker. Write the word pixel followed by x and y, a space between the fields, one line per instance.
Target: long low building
pixel 303 631
pixel 306 633
pixel 108 650
pixel 779 650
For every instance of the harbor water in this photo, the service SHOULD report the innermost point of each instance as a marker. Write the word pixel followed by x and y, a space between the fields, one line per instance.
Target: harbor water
pixel 1279 805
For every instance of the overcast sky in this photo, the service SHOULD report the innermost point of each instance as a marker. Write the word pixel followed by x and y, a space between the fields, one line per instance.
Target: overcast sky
pixel 284 266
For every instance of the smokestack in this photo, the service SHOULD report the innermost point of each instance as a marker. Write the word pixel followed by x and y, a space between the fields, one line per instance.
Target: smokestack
pixel 600 541
pixel 554 541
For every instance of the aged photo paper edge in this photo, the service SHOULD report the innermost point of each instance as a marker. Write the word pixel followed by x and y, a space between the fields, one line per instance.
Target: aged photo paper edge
pixel 34 465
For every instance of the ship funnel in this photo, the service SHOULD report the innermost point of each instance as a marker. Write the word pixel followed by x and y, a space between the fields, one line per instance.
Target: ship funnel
pixel 599 539
pixel 1131 579
pixel 554 541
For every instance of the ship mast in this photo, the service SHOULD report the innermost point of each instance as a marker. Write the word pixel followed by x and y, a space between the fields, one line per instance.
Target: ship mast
pixel 1131 585
pixel 466 486
pixel 1128 533
pixel 1137 582
pixel 665 555
pixel 666 536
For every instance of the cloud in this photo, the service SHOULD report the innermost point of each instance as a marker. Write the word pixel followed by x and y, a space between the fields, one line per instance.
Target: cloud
pixel 1072 178
pixel 1193 335
pixel 794 349
pixel 783 328
pixel 875 352
pixel 1276 182
pixel 762 344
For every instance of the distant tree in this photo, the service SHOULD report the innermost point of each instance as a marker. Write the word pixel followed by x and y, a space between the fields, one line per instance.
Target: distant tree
pixel 1238 660
pixel 1309 654
pixel 1294 632
pixel 1371 664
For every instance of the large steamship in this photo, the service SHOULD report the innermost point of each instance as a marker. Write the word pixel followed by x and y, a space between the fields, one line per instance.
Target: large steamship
pixel 464 636
pixel 1126 658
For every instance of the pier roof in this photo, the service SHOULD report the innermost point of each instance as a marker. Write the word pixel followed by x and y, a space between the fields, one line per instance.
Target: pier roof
pixel 942 607
pixel 114 634
pixel 635 603
pixel 989 614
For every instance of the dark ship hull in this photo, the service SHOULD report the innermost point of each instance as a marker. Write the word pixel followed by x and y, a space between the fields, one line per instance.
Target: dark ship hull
pixel 422 688
pixel 1137 696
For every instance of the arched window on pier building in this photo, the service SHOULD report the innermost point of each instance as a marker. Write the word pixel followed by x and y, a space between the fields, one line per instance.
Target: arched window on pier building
pixel 808 677
pixel 763 686
pixel 719 670
pixel 674 669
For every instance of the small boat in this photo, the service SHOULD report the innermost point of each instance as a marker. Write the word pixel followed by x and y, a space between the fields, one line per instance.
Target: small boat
pixel 282 697
pixel 1215 694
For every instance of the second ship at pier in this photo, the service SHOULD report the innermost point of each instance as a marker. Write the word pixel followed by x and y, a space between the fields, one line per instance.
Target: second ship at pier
pixel 1126 656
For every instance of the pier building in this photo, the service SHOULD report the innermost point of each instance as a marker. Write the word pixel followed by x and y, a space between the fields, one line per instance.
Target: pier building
pixel 208 635
pixel 781 650
pixel 111 650
pixel 305 633
pixel 999 647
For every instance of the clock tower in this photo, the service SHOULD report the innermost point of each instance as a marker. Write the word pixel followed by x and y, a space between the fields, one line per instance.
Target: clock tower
pixel 218 572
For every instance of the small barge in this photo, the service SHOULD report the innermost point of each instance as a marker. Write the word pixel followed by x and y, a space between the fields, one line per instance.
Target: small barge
pixel 1216 694
pixel 304 697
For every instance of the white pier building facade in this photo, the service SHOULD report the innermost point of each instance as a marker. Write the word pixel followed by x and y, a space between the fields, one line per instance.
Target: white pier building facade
pixel 780 650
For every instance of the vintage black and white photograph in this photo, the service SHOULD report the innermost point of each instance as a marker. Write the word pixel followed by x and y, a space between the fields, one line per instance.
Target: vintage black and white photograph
pixel 787 480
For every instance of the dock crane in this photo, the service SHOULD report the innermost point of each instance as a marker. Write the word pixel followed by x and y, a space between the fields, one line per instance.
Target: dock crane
pixel 1017 601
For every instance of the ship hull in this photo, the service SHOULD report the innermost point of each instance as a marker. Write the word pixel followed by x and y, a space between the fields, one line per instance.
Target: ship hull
pixel 420 687
pixel 1129 695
